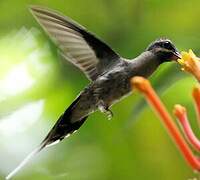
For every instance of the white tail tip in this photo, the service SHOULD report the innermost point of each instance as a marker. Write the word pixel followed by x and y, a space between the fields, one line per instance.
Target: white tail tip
pixel 23 163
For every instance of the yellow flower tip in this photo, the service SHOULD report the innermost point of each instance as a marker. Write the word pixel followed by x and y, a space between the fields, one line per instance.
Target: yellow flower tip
pixel 185 55
pixel 181 61
pixel 140 83
pixel 190 63
pixel 191 53
pixel 179 110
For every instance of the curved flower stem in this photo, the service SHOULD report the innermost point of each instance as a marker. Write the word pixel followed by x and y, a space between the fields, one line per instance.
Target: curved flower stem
pixel 181 113
pixel 144 86
pixel 196 96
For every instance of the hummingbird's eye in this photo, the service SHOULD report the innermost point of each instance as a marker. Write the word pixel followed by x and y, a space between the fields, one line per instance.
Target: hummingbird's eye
pixel 167 45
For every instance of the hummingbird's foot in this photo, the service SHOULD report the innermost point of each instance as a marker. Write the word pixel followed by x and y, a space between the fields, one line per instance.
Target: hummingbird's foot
pixel 109 114
pixel 106 111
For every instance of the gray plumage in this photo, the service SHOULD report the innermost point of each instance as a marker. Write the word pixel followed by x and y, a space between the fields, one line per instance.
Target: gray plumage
pixel 109 73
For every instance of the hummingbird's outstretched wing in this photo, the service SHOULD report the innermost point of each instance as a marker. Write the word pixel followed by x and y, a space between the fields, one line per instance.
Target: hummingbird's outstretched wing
pixel 78 45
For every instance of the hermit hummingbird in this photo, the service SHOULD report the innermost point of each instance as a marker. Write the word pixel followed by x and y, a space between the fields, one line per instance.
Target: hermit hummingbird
pixel 108 72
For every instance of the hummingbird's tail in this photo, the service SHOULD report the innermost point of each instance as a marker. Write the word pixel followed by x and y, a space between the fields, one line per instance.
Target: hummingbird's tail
pixel 62 129
pixel 24 162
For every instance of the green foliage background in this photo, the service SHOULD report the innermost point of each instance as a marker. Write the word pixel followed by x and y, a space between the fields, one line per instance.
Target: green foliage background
pixel 134 145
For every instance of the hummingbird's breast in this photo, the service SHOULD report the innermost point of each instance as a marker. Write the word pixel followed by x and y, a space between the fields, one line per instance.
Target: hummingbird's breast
pixel 113 85
pixel 108 88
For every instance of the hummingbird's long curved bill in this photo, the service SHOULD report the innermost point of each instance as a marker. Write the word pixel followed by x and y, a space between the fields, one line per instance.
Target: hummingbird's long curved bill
pixel 176 56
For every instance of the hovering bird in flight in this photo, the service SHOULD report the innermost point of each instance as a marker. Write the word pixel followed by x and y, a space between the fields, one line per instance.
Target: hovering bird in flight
pixel 108 72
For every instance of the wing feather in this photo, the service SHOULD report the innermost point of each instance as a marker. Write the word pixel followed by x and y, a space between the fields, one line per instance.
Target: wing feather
pixel 78 46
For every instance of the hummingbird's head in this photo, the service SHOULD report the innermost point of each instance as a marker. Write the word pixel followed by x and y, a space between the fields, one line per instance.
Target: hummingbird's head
pixel 164 49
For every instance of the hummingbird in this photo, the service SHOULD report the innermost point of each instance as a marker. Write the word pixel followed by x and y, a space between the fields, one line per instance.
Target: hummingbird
pixel 108 72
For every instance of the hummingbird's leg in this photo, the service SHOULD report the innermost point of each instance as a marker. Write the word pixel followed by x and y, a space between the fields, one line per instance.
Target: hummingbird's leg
pixel 109 113
pixel 104 109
